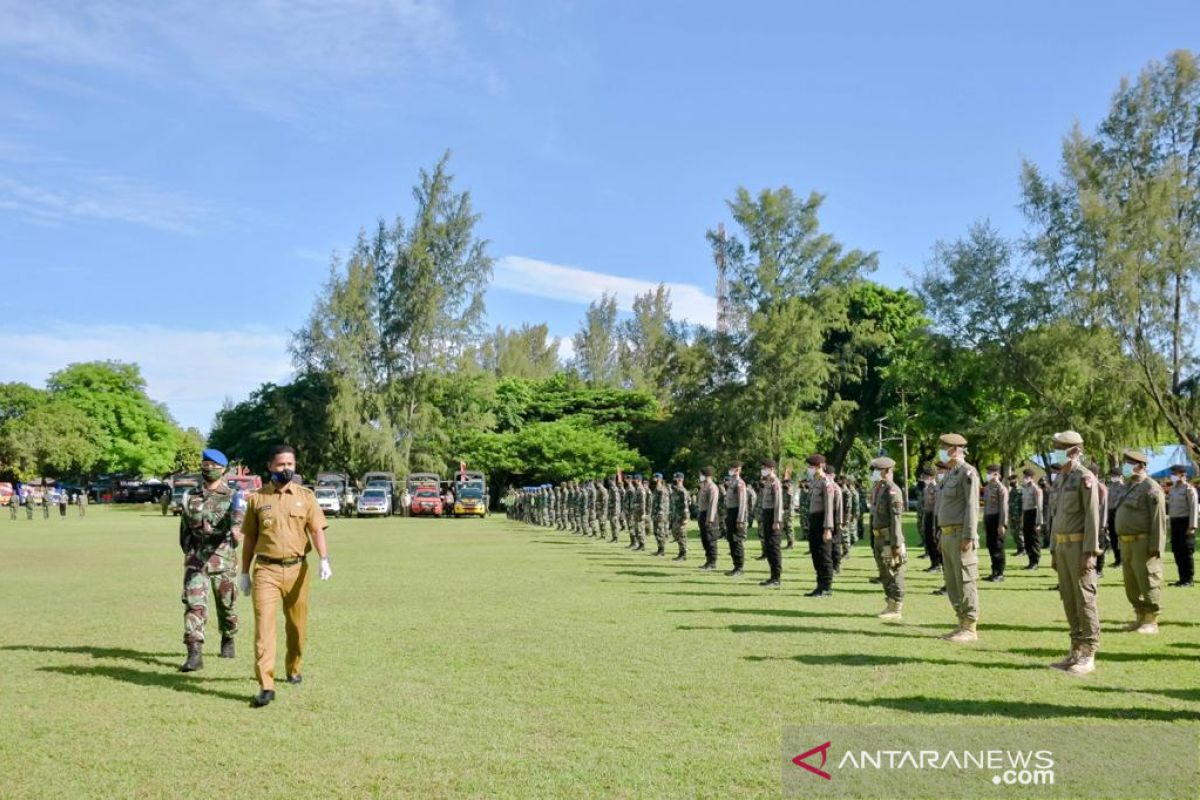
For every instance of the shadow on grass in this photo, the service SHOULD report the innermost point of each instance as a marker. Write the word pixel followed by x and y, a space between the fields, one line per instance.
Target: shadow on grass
pixel 868 660
pixel 1104 655
pixel 115 653
pixel 644 573
pixel 1189 695
pixel 802 629
pixel 769 612
pixel 1188 645
pixel 549 541
pixel 705 594
pixel 922 704
pixel 175 682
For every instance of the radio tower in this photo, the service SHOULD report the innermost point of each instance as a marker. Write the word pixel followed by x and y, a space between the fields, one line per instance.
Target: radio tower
pixel 724 312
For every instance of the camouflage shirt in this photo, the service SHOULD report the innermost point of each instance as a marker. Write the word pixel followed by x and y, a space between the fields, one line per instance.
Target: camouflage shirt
pixel 211 517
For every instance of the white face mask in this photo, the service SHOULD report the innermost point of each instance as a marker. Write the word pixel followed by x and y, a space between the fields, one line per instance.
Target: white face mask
pixel 1176 478
pixel 1058 457
pixel 876 476
pixel 1127 469
pixel 943 454
pixel 993 476
pixel 812 473
pixel 765 472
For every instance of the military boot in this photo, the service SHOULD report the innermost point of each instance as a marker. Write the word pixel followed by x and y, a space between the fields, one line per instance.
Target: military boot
pixel 227 647
pixel 966 633
pixel 1069 661
pixel 681 557
pixel 955 631
pixel 1085 663
pixel 1149 624
pixel 1133 626
pixel 661 551
pixel 195 660
pixel 894 612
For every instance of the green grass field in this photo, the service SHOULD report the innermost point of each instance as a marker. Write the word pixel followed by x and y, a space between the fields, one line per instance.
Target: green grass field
pixel 486 658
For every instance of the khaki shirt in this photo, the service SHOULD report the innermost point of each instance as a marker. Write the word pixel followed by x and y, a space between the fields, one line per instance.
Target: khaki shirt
pixel 887 512
pixel 1031 499
pixel 735 497
pixel 283 519
pixel 1143 509
pixel 1077 506
pixel 995 501
pixel 958 500
pixel 823 499
pixel 772 499
pixel 709 500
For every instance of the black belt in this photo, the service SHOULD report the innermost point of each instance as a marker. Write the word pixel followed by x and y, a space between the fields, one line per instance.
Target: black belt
pixel 281 562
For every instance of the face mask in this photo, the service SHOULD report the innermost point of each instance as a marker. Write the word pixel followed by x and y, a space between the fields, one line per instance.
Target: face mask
pixel 1058 457
pixel 943 454
pixel 1127 469
pixel 940 476
pixel 766 472
pixel 212 473
pixel 876 476
pixel 992 476
pixel 1176 478
pixel 283 475
pixel 812 473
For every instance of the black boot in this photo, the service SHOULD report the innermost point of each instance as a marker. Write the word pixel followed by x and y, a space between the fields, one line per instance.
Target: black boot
pixel 661 551
pixel 227 647
pixel 195 660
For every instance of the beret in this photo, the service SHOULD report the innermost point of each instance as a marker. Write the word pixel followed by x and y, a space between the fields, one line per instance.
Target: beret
pixel 769 462
pixel 1136 456
pixel 1179 468
pixel 993 467
pixel 677 476
pixel 883 462
pixel 657 475
pixel 952 440
pixel 1064 439
pixel 215 456
pixel 816 459
pixel 1027 472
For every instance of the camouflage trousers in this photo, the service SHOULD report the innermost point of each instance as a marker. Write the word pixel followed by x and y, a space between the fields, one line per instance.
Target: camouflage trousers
pixel 593 524
pixel 204 567
pixel 788 535
pixel 614 524
pixel 660 530
pixel 638 528
pixel 679 535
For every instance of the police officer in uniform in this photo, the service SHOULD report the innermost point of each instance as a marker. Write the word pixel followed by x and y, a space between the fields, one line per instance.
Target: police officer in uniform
pixel 995 521
pixel 708 516
pixel 1031 518
pixel 1076 523
pixel 823 497
pixel 283 523
pixel 1140 522
pixel 887 535
pixel 1181 508
pixel 771 524
pixel 737 507
pixel 958 517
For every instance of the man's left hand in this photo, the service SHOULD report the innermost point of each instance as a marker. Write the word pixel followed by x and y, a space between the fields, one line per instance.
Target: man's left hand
pixel 326 570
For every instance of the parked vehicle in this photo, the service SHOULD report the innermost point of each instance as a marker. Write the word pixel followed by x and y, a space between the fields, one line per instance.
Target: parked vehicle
pixel 426 502
pixel 246 484
pixel 180 487
pixel 374 503
pixel 470 502
pixel 329 500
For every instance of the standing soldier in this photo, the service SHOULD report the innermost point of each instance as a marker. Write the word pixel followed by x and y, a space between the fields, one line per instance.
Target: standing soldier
pixel 1014 515
pixel 771 524
pixel 679 515
pixel 722 491
pixel 839 517
pixel 1140 522
pixel 551 507
pixel 210 529
pixel 929 529
pixel 29 505
pixel 647 507
pixel 958 517
pixel 1076 546
pixel 737 507
pixel 995 521
pixel 602 503
pixel 1116 490
pixel 638 513
pixel 627 504
pixel 165 501
pixel 850 497
pixel 708 514
pixel 823 499
pixel 613 508
pixel 1031 518
pixel 45 502
pixel 283 523
pixel 661 506
pixel 1181 507
pixel 789 496
pixel 63 499
pixel 14 500
pixel 751 506
pixel 887 535
pixel 802 501
pixel 82 500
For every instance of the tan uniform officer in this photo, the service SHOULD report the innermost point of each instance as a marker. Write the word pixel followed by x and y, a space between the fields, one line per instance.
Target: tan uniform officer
pixel 1140 520
pixel 958 518
pixel 283 522
pixel 887 535
pixel 1076 545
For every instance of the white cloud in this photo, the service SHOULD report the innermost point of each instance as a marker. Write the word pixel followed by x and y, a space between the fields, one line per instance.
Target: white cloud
pixel 566 349
pixel 689 302
pixel 270 55
pixel 191 371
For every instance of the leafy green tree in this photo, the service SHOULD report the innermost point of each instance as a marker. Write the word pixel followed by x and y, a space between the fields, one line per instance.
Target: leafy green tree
pixel 597 343
pixel 525 352
pixel 52 439
pixel 648 342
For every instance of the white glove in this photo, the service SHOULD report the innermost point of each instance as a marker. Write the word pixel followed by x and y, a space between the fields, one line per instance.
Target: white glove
pixel 244 583
pixel 326 570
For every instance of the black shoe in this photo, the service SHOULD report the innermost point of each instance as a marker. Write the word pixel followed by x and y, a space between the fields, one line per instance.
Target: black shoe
pixel 787 546
pixel 990 578
pixel 1117 563
pixel 736 572
pixel 1034 565
pixel 1183 584
pixel 941 591
pixel 874 579
pixel 997 579
pixel 761 558
pixel 680 557
pixel 814 593
pixel 263 698
pixel 295 680
pixel 195 660
pixel 641 546
pixel 227 647
pixel 824 593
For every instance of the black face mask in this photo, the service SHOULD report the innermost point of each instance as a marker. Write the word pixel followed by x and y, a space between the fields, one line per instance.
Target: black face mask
pixel 283 475
pixel 212 473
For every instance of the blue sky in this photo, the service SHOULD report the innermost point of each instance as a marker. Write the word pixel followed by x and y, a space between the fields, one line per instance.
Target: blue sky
pixel 174 177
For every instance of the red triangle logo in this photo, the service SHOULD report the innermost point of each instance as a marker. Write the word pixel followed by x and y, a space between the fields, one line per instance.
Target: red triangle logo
pixel 823 749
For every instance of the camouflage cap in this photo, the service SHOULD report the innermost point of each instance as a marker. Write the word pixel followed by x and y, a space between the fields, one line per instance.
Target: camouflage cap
pixel 993 467
pixel 769 462
pixel 1064 440
pixel 953 440
pixel 927 472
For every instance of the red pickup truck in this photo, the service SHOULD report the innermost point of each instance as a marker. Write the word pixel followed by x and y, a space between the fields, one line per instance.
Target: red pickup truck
pixel 426 502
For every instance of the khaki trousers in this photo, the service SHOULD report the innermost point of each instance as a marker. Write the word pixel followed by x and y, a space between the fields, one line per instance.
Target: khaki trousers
pixel 961 571
pixel 1077 588
pixel 273 584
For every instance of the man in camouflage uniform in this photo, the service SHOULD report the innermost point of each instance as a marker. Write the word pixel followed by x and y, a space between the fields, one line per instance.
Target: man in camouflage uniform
pixel 209 533
pixel 1014 514
pixel 13 502
pixel 603 499
pixel 636 535
pixel 887 536
pixel 788 494
pixel 628 500
pixel 613 509
pixel 839 516
pixel 680 515
pixel 661 509
pixel 1076 547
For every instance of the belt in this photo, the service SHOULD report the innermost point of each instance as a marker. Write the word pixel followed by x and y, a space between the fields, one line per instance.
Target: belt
pixel 951 528
pixel 881 532
pixel 1130 537
pixel 1059 538
pixel 281 562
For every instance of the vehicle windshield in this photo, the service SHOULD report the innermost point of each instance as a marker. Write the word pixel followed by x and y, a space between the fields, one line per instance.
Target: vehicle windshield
pixel 470 493
pixel 428 493
pixel 374 494
pixel 326 493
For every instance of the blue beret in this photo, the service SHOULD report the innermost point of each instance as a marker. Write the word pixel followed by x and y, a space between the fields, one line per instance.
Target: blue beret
pixel 215 456
pixel 657 475
pixel 637 475
pixel 677 475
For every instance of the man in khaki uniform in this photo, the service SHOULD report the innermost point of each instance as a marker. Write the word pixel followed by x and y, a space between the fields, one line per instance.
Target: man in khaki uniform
pixel 887 535
pixel 707 517
pixel 958 517
pixel 737 511
pixel 1140 521
pixel 1181 509
pixel 283 522
pixel 1076 523
pixel 1031 518
pixel 771 527
pixel 995 521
